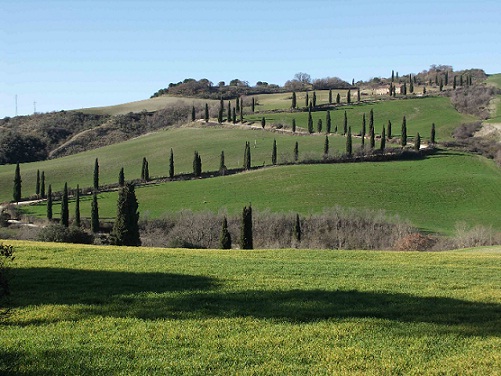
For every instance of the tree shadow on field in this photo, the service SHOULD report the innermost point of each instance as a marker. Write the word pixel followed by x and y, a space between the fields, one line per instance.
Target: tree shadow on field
pixel 86 293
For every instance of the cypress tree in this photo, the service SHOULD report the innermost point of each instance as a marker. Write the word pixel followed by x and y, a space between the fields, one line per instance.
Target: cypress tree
pixel 96 175
pixel 411 87
pixel 417 143
pixel 225 237
pixel 296 152
pixel 263 122
pixel 274 153
pixel 49 202
pixel 424 90
pixel 42 185
pixel 237 104
pixel 432 135
pixel 358 94
pixel 348 97
pixel 349 146
pixel 143 169
pixel 330 96
pixel 326 145
pixel 241 105
pixel 125 229
pixel 247 156
pixel 220 115
pixel 441 85
pixel 389 129
pixel 293 125
pixel 371 119
pixel 328 122
pixel 253 104
pixel 171 164
pixel 65 215
pixel 246 231
pixel 314 99
pixel 403 89
pixel 94 214
pixel 461 80
pixel 446 78
pixel 121 178
pixel 229 112
pixel 310 108
pixel 193 113
pixel 345 123
pixel 241 112
pixel 222 166
pixel 338 98
pixel 37 186
pixel 404 132
pixel 307 100
pixel 383 139
pixel 17 184
pixel 197 165
pixel 373 138
pixel 392 76
pixel 310 122
pixel 296 231
pixel 454 83
pixel 363 130
pixel 391 88
pixel 294 100
pixel 319 125
pixel 206 113
pixel 77 207
pixel 234 115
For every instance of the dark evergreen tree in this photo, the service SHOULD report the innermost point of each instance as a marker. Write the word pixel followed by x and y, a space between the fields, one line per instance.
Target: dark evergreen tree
pixel 461 80
pixel 193 113
pixel 338 98
pixel 77 221
pixel 424 90
pixel 246 231
pixel 17 184
pixel 441 85
pixel 237 104
pixel 348 97
pixel 371 119
pixel 206 114
pixel 310 122
pixel 225 237
pixel 330 96
pixel 241 112
pixel 372 138
pixel 314 100
pixel 392 76
pixel 222 165
pixel 358 94
pixel 326 145
pixel 403 89
pixel 121 178
pixel 94 214
pixel 319 125
pixel 37 186
pixel 404 132
pixel 296 231
pixel 417 143
pixel 96 175
pixel 349 145
pixel 389 130
pixel 65 214
pixel 126 229
pixel 328 122
pixel 307 100
pixel 411 87
pixel 391 89
pixel 432 135
pixel 171 164
pixel 296 152
pixel 220 115
pixel 42 185
pixel 454 83
pixel 446 78
pixel 234 115
pixel 274 153
pixel 230 117
pixel 247 156
pixel 253 105
pixel 293 125
pixel 310 108
pixel 383 139
pixel 263 122
pixel 197 165
pixel 345 123
pixel 49 203
pixel 145 173
pixel 294 100
pixel 364 130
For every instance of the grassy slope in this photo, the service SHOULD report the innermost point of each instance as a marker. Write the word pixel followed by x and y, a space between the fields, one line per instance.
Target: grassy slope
pixel 434 194
pixel 103 310
pixel 496 114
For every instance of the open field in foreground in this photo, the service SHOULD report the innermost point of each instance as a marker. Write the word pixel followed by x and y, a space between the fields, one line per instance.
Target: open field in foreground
pixel 128 311
pixel 434 193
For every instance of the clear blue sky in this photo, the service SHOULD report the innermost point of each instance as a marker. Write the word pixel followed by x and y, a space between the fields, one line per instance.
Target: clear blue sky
pixel 73 54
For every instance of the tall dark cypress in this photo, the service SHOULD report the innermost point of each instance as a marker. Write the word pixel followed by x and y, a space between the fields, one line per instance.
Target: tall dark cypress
pixel 274 153
pixel 330 96
pixel 314 100
pixel 296 231
pixel 171 164
pixel 358 94
pixel 371 119
pixel 65 215
pixel 383 139
pixel 310 122
pixel 294 100
pixel 263 122
pixel 432 134
pixel 246 241
pixel 222 165
pixel 96 175
pixel 225 237
pixel 328 122
pixel 296 152
pixel 293 125
pixel 348 96
pixel 206 114
pixel 197 164
pixel 417 143
pixel 121 178
pixel 229 112
pixel 326 145
pixel 247 156
pixel 237 104
pixel 42 185
pixel 193 113
pixel 17 184
pixel 372 138
pixel 307 100
pixel 319 125
pixel 126 229
pixel 389 130
pixel 234 115
pixel 77 221
pixel 49 202
pixel 37 185
pixel 363 130
pixel 349 145
pixel 253 104
pixel 94 214
pixel 220 115
pixel 345 123
pixel 404 132
pixel 338 98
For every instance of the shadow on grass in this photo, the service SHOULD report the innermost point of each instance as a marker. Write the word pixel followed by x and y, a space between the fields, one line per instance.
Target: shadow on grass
pixel 170 296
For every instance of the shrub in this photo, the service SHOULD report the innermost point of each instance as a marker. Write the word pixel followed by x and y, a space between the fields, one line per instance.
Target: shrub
pixel 415 242
pixel 6 255
pixel 59 233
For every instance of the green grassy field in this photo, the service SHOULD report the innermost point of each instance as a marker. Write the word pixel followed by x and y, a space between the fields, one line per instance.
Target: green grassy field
pixel 128 311
pixel 434 193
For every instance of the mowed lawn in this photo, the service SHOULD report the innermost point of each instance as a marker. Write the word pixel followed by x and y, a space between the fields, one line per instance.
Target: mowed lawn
pixel 434 194
pixel 129 311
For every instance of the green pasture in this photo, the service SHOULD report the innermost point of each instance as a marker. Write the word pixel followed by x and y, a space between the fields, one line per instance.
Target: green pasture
pixel 420 113
pixel 126 311
pixel 494 79
pixel 435 193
